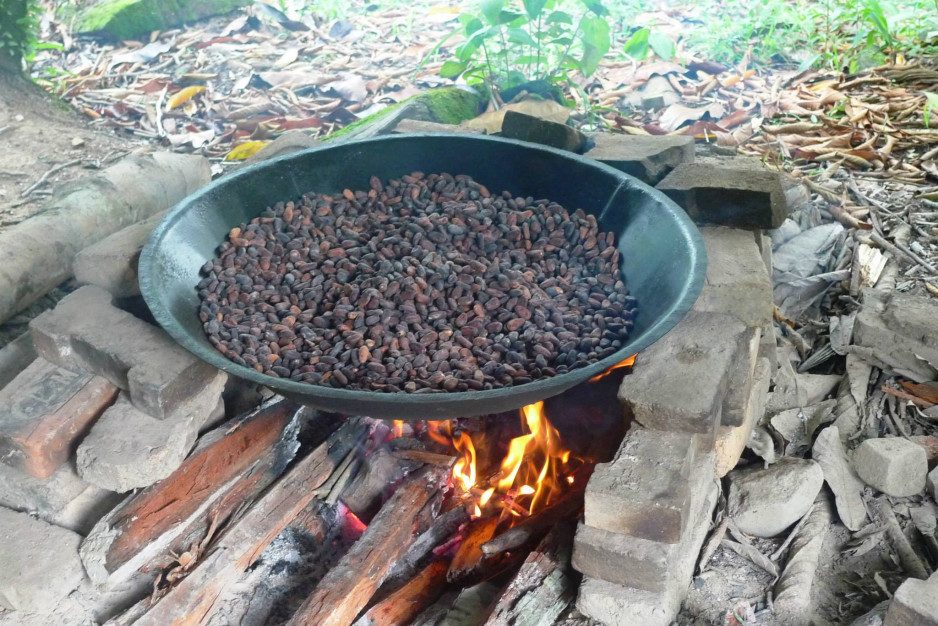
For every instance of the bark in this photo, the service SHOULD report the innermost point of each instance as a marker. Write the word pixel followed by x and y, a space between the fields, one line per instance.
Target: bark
pixel 402 606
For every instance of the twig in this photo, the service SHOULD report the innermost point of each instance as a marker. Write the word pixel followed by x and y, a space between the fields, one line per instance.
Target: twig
pixel 907 556
pixel 44 177
pixel 159 113
pixel 925 404
pixel 902 251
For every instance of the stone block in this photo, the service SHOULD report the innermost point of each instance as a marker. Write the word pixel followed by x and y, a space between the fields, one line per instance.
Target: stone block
pixel 679 382
pixel 931 483
pixel 525 127
pixel 733 192
pixel 739 388
pixel 648 158
pixel 644 491
pixel 897 332
pixel 764 501
pixel 127 449
pixel 893 465
pixel 112 262
pixel 40 563
pixel 618 605
pixel 731 440
pixel 915 603
pixel 44 412
pixel 737 282
pixel 85 332
pixel 768 346
pixel 408 126
pixel 14 357
pixel 63 499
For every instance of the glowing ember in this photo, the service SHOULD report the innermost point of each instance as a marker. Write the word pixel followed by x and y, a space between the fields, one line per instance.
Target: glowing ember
pixel 440 432
pixel 626 363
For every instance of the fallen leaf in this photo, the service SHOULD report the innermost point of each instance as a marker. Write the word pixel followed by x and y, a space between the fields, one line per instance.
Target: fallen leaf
pixel 828 451
pixel 661 68
pixel 142 55
pixel 305 122
pixel 351 87
pixel 293 79
pixel 278 16
pixel 183 95
pixel 925 391
pixel 491 122
pixel 341 28
pixel 679 114
pixel 244 150
pixel 710 67
pixel 734 119
pixel 287 58
pixel 196 139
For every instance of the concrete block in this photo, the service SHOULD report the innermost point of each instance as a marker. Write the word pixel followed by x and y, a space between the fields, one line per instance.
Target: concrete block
pixel 737 283
pixel 893 465
pixel 545 132
pixel 40 563
pixel 915 603
pixel 765 501
pixel 736 192
pixel 644 491
pixel 680 381
pixel 648 158
pixel 897 332
pixel 63 499
pixel 14 357
pixel 731 440
pixel 85 332
pixel 739 388
pixel 44 412
pixel 127 449
pixel 112 262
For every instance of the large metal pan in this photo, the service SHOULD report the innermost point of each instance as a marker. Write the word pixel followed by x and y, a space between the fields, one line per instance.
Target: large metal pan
pixel 663 257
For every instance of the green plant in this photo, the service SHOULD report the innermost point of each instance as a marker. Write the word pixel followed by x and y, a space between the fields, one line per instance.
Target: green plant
pixel 931 102
pixel 508 45
pixel 19 22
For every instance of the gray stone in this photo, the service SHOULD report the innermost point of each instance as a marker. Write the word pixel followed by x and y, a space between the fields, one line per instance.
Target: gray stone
pixel 15 357
pixel 63 499
pixel 648 158
pixel 737 282
pixel 86 332
pixel 617 605
pixel 287 143
pixel 536 130
pixel 931 482
pixel 739 388
pixel 408 126
pixel 733 192
pixel 893 465
pixel 644 491
pixel 915 603
pixel 764 502
pixel 127 449
pixel 112 262
pixel 898 332
pixel 680 381
pixel 40 563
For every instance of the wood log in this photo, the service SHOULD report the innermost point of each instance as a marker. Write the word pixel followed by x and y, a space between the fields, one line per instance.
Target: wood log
pixel 534 527
pixel 380 471
pixel 469 560
pixel 347 588
pixel 544 586
pixel 422 456
pixel 193 599
pixel 402 606
pixel 442 528
pixel 230 465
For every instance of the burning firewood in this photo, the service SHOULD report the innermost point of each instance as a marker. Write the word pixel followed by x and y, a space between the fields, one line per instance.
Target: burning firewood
pixel 469 558
pixel 408 601
pixel 532 528
pixel 347 588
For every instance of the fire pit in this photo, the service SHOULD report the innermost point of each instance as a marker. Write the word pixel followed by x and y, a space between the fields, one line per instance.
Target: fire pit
pixel 663 260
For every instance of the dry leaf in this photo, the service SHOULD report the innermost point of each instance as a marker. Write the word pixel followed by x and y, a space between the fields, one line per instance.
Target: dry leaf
pixel 142 55
pixel 184 95
pixel 350 87
pixel 491 122
pixel 244 150
pixel 828 451
pixel 287 58
pixel 679 114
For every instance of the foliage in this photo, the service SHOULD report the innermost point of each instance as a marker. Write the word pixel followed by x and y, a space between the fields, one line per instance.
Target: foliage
pixel 19 22
pixel 509 43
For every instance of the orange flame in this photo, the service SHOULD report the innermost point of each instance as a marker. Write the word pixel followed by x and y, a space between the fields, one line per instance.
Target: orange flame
pixel 398 429
pixel 441 432
pixel 626 363
pixel 464 471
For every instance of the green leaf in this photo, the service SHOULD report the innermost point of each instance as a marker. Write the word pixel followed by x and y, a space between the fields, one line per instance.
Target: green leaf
pixel 491 9
pixel 517 35
pixel 662 45
pixel 637 45
pixel 562 41
pixel 533 7
pixel 452 69
pixel 527 59
pixel 596 6
pixel 595 43
pixel 559 17
pixel 473 25
pixel 507 17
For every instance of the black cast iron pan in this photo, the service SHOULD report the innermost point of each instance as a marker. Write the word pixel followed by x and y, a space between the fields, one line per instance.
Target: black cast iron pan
pixel 663 257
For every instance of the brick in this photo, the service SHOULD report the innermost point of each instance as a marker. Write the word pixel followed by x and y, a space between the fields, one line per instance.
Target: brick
pixel 897 333
pixel 679 382
pixel 112 262
pixel 731 440
pixel 44 412
pixel 915 603
pixel 618 605
pixel 643 563
pixel 893 465
pixel 63 499
pixel 545 132
pixel 127 449
pixel 739 388
pixel 644 491
pixel 14 357
pixel 736 192
pixel 646 158
pixel 737 282
pixel 85 332
pixel 40 563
